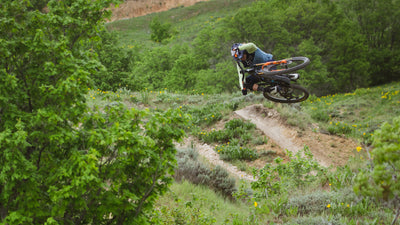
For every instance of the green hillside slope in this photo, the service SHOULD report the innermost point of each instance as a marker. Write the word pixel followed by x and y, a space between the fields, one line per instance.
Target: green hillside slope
pixel 192 71
pixel 324 199
pixel 187 48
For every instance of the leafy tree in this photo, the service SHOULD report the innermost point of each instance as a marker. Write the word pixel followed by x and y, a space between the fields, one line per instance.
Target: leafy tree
pixel 116 59
pixel 379 24
pixel 61 162
pixel 160 31
pixel 221 79
pixel 151 68
pixel 317 78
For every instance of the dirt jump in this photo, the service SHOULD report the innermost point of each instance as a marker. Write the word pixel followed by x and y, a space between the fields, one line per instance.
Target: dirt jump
pixel 328 150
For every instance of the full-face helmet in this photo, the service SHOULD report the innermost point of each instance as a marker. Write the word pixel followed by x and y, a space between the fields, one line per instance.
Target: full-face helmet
pixel 235 52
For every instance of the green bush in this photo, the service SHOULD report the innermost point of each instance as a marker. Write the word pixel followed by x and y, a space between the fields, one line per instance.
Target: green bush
pixel 233 151
pixel 189 168
pixel 279 177
pixel 116 59
pixel 235 129
pixel 381 179
pixel 160 31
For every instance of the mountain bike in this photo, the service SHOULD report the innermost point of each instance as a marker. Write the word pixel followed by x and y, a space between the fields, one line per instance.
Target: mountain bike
pixel 277 79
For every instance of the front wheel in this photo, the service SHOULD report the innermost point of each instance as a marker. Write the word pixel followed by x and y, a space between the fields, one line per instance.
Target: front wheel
pixel 287 94
pixel 284 66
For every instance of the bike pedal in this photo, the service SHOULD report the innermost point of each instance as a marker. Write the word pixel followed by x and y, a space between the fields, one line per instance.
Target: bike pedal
pixel 293 76
pixel 273 90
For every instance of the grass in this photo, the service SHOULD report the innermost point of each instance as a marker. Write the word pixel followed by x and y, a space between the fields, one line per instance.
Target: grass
pixel 329 200
pixel 185 20
pixel 360 112
pixel 356 114
pixel 210 207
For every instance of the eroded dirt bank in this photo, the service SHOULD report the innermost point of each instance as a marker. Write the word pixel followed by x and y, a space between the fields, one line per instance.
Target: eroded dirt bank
pixel 134 8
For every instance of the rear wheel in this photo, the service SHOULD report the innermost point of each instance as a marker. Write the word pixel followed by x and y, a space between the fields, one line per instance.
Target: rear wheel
pixel 285 66
pixel 291 93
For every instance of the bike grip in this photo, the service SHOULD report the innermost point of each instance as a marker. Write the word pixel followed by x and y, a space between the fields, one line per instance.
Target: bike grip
pixel 244 91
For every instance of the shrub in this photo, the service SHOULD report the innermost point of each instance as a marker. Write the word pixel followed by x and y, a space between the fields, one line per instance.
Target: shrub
pixel 221 181
pixel 278 177
pixel 381 180
pixel 160 31
pixel 318 220
pixel 234 129
pixel 319 201
pixel 234 151
pixel 189 168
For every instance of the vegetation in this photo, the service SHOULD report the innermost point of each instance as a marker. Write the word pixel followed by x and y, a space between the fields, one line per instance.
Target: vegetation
pixel 348 44
pixel 89 117
pixel 294 195
pixel 61 161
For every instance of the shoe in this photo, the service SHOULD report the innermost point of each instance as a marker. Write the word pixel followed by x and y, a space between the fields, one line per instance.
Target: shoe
pixel 293 76
pixel 273 90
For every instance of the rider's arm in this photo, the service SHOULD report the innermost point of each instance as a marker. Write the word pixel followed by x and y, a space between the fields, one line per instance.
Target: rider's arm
pixel 249 47
pixel 241 80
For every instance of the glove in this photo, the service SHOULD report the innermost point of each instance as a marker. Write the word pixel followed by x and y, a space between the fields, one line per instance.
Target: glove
pixel 244 91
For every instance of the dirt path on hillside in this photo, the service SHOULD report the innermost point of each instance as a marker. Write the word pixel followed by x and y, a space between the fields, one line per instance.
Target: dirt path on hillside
pixel 268 122
pixel 328 150
pixel 207 151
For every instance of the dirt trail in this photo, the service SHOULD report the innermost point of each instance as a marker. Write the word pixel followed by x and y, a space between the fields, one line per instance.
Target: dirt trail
pixel 208 152
pixel 267 122
pixel 328 150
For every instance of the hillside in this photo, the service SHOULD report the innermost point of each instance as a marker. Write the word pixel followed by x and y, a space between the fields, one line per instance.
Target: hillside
pixel 266 120
pixel 142 121
pixel 338 143
pixel 134 8
pixel 337 129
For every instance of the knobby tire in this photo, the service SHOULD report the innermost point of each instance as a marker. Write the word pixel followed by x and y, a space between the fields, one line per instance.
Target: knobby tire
pixel 304 62
pixel 283 99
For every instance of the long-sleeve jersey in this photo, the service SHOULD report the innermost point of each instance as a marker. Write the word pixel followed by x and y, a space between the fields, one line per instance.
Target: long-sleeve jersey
pixel 255 56
pixel 259 55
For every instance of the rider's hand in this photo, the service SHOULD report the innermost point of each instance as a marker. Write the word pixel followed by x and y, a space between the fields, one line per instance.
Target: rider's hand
pixel 244 91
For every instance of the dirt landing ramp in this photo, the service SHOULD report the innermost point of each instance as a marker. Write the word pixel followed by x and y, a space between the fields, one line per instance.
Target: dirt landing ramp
pixel 327 149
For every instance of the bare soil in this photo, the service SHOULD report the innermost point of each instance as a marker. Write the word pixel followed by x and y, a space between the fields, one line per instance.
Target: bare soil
pixel 134 8
pixel 328 150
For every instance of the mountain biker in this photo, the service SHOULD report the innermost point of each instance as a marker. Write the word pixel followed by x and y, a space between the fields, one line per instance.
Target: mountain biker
pixel 249 54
